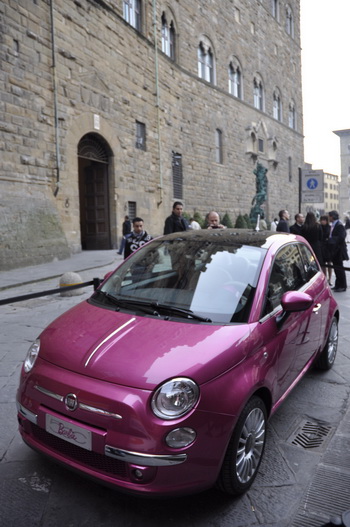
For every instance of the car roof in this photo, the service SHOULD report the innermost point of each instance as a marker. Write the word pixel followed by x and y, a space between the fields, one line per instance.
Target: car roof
pixel 251 237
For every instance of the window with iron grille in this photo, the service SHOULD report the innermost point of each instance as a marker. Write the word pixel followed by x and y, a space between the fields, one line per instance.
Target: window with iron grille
pixel 177 175
pixel 132 210
pixel 140 136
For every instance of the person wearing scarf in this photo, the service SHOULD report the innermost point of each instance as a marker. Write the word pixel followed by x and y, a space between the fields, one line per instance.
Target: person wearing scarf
pixel 136 238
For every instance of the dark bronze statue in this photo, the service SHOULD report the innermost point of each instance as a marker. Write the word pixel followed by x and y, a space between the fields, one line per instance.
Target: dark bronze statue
pixel 261 194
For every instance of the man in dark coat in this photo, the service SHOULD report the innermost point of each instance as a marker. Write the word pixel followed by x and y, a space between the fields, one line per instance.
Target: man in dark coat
pixel 338 251
pixel 283 225
pixel 299 220
pixel 176 222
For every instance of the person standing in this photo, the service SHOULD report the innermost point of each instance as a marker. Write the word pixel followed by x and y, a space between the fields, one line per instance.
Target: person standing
pixel 312 232
pixel 299 220
pixel 194 225
pixel 347 228
pixel 176 222
pixel 338 251
pixel 137 238
pixel 274 224
pixel 283 225
pixel 214 221
pixel 126 229
pixel 327 261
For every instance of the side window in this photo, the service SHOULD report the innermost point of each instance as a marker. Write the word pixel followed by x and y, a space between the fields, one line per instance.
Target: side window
pixel 288 274
pixel 310 265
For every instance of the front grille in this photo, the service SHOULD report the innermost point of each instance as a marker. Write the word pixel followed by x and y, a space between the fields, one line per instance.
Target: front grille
pixel 103 464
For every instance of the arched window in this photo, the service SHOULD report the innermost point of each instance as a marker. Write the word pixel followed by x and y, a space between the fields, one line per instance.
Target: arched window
pixel 132 13
pixel 235 80
pixel 218 147
pixel 168 37
pixel 292 116
pixel 258 94
pixel 206 62
pixel 277 105
pixel 289 21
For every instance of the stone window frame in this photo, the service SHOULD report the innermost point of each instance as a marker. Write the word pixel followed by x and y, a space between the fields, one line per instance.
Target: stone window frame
pixel 277 104
pixel 169 38
pixel 206 60
pixel 140 142
pixel 292 115
pixel 289 21
pixel 132 13
pixel 258 93
pixel 275 9
pixel 219 150
pixel 235 78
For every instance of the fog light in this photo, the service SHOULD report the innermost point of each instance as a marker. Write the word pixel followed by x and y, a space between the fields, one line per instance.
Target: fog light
pixel 180 437
pixel 138 473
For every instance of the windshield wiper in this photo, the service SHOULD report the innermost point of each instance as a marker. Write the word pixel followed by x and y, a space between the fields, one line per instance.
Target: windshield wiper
pixel 153 307
pixel 180 311
pixel 123 303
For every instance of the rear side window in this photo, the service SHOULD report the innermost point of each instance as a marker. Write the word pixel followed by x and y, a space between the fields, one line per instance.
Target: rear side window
pixel 288 274
pixel 311 266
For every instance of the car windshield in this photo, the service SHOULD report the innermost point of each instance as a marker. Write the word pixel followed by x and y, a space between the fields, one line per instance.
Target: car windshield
pixel 209 280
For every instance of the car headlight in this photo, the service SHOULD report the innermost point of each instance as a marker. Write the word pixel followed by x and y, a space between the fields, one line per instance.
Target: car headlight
pixel 32 355
pixel 175 398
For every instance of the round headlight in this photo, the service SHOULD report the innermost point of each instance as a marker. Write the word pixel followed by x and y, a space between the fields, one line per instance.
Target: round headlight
pixel 175 398
pixel 31 357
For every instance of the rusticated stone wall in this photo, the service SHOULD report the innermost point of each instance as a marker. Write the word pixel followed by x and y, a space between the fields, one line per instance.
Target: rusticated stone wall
pixel 105 78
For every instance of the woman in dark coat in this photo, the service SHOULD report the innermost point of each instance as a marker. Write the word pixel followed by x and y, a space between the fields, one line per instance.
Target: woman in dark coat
pixel 312 232
pixel 326 229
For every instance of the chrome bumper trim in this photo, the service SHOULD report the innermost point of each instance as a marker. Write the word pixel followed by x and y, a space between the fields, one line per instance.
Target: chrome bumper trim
pixel 49 393
pixel 82 406
pixel 99 411
pixel 33 418
pixel 148 460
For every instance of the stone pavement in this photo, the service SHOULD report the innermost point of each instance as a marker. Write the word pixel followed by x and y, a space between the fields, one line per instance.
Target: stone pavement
pixel 304 477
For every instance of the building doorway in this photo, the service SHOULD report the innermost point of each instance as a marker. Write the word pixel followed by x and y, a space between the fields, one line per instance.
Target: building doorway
pixel 93 160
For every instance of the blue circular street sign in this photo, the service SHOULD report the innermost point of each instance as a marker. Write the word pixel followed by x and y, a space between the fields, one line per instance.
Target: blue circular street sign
pixel 312 183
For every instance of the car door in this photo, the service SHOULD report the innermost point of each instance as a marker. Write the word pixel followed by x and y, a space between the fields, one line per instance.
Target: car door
pixel 315 287
pixel 290 343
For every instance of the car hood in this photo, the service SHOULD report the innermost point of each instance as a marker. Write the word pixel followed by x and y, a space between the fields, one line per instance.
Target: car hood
pixel 140 351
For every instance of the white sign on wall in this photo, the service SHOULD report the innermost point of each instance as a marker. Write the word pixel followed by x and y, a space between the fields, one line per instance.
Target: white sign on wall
pixel 312 186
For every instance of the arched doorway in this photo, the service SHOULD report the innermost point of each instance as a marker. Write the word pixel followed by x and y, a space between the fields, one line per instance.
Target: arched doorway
pixel 93 158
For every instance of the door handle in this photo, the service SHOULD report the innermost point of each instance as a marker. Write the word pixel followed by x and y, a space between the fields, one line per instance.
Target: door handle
pixel 316 308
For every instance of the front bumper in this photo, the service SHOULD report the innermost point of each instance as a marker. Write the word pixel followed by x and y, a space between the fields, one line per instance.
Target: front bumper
pixel 127 448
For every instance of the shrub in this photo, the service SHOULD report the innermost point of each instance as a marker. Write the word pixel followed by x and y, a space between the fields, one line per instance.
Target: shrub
pixel 248 222
pixel 240 222
pixel 197 217
pixel 226 220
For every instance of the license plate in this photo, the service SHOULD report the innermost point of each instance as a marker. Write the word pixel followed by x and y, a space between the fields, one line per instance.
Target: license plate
pixel 68 432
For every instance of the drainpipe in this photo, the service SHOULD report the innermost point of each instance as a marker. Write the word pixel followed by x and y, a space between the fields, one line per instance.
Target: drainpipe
pixel 54 82
pixel 160 186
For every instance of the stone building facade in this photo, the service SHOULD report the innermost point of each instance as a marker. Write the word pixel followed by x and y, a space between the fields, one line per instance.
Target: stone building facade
pixel 344 185
pixel 97 121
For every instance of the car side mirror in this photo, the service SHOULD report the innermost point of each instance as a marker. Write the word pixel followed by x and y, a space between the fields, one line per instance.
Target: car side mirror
pixel 293 301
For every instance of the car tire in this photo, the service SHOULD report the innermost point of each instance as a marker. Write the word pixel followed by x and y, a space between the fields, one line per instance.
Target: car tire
pixel 245 450
pixel 327 357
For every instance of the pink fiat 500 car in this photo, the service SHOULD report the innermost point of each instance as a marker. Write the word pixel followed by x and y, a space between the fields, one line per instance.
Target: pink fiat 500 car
pixel 163 381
